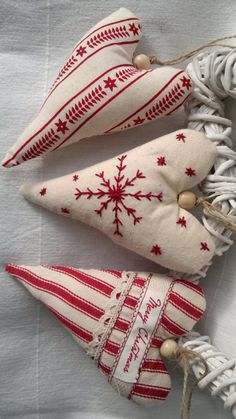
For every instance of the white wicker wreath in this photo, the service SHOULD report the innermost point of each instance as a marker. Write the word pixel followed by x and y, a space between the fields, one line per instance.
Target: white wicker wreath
pixel 214 78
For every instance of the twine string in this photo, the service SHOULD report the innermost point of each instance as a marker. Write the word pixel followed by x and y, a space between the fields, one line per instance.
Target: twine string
pixel 215 43
pixel 212 211
pixel 184 357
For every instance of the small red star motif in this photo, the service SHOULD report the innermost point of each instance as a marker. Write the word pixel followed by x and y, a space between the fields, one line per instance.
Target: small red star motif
pixel 133 28
pixel 156 250
pixel 180 137
pixel 186 82
pixel 43 191
pixel 75 178
pixel 81 51
pixel 161 161
pixel 65 210
pixel 182 222
pixel 204 246
pixel 139 121
pixel 190 172
pixel 110 83
pixel 61 126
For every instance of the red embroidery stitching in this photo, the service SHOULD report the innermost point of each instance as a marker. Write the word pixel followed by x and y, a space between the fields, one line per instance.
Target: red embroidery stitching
pixel 110 83
pixel 125 74
pixel 108 35
pixel 43 191
pixel 190 172
pixel 156 250
pixel 42 145
pixel 65 210
pixel 182 222
pixel 84 105
pixel 61 126
pixel 134 29
pixel 180 137
pixel 138 121
pixel 164 104
pixel 81 51
pixel 115 194
pixel 161 161
pixel 186 82
pixel 75 178
pixel 204 246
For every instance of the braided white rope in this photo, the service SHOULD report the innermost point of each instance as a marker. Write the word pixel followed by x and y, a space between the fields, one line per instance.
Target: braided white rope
pixel 221 379
pixel 214 77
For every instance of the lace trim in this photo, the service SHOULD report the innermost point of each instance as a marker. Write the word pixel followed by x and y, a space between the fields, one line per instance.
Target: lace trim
pixel 107 321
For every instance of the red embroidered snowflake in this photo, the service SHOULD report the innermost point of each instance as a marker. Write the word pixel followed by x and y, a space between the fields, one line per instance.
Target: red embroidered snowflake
pixel 133 28
pixel 43 191
pixel 156 250
pixel 61 126
pixel 75 178
pixel 182 222
pixel 81 51
pixel 186 82
pixel 204 246
pixel 110 83
pixel 180 137
pixel 115 192
pixel 190 172
pixel 161 161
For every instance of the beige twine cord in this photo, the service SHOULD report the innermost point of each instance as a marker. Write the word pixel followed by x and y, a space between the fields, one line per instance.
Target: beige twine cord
pixel 216 43
pixel 217 215
pixel 184 356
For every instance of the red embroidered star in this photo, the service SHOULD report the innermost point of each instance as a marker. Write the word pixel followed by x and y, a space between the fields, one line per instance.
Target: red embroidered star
pixel 110 83
pixel 186 82
pixel 133 28
pixel 161 161
pixel 43 191
pixel 65 210
pixel 190 172
pixel 139 121
pixel 180 137
pixel 75 178
pixel 182 222
pixel 61 126
pixel 81 51
pixel 204 246
pixel 156 250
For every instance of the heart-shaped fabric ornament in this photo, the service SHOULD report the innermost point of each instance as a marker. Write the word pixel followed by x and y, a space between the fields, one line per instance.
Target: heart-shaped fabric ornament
pixel 100 91
pixel 133 199
pixel 120 319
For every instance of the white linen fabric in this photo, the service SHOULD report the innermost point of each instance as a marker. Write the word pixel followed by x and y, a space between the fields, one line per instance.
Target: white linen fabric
pixel 43 374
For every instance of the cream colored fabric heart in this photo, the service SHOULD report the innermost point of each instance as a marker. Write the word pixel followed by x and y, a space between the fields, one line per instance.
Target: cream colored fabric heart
pixel 100 91
pixel 133 199
pixel 120 319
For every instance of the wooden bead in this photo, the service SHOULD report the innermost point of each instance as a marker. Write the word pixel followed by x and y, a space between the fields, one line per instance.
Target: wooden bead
pixel 187 200
pixel 142 62
pixel 168 348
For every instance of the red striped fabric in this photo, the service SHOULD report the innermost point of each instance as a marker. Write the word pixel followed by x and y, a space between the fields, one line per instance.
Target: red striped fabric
pixel 80 315
pixel 185 306
pixel 150 392
pixel 81 333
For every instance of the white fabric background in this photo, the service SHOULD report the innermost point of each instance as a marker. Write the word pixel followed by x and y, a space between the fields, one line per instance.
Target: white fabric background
pixel 43 373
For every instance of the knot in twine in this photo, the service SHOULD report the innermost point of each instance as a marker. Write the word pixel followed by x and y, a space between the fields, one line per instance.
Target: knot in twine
pixel 212 211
